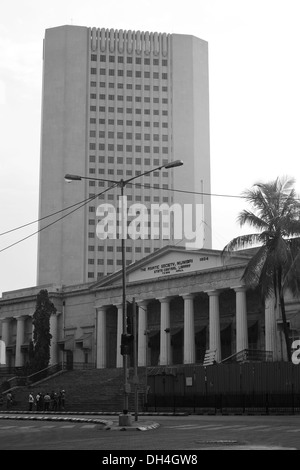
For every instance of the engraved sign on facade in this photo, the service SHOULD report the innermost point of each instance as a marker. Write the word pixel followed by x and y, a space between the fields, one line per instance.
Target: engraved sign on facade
pixel 173 267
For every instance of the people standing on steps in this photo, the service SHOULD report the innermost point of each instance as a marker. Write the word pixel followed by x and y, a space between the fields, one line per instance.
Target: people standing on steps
pixel 30 401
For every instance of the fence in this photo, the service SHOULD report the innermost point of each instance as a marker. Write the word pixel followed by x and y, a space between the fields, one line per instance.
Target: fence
pixel 265 387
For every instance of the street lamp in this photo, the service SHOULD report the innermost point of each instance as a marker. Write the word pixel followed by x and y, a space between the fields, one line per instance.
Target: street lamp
pixel 124 420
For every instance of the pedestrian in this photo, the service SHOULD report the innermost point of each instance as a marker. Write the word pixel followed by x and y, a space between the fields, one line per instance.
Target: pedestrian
pixel 62 398
pixel 47 400
pixel 52 400
pixel 30 401
pixel 8 400
pixel 55 401
pixel 38 401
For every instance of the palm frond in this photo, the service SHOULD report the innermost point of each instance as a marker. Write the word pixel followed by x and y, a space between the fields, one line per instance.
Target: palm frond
pixel 242 242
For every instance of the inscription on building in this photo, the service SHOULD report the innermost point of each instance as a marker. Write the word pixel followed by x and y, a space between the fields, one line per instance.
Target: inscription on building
pixel 173 267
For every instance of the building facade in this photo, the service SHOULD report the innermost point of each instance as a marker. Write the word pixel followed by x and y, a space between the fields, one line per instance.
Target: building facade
pixel 188 302
pixel 117 104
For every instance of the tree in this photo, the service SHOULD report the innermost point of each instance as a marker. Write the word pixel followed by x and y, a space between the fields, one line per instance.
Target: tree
pixel 275 265
pixel 40 355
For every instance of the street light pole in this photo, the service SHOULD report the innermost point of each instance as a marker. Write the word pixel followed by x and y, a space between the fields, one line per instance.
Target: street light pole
pixel 124 419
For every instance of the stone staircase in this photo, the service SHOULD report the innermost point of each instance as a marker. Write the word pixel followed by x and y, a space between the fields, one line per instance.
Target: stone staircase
pixel 96 390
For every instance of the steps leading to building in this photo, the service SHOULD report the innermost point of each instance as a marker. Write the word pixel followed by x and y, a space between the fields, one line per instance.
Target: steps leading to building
pixel 98 390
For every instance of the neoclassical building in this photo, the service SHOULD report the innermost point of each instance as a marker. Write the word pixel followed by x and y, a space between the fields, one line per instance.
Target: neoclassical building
pixel 188 301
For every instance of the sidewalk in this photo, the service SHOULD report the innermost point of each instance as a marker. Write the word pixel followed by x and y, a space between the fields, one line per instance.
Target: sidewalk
pixel 109 422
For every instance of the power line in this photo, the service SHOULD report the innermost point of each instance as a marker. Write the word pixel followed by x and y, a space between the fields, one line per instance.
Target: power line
pixel 94 197
pixel 57 220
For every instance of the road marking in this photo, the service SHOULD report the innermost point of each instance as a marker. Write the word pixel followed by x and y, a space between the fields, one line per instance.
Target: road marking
pixel 67 426
pixel 90 426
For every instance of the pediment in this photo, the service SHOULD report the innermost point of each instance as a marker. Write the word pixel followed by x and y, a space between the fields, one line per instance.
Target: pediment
pixel 170 261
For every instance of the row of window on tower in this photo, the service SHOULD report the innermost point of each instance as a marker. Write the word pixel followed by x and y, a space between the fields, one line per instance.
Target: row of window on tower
pixel 129 60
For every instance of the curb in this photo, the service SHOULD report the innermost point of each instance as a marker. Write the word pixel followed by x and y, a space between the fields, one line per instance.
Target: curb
pixel 108 425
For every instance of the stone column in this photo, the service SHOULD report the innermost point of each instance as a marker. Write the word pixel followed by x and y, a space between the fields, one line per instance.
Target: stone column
pixel 189 351
pixel 19 361
pixel 214 324
pixel 6 330
pixel 241 319
pixel 101 338
pixel 165 333
pixel 5 337
pixel 119 357
pixel 142 336
pixel 54 333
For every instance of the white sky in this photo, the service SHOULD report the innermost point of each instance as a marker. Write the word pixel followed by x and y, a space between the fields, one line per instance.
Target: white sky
pixel 254 71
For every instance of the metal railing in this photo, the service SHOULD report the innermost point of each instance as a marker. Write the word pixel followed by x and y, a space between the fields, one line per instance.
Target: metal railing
pixel 254 355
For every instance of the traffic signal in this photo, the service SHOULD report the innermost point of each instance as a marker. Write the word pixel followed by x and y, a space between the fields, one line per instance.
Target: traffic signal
pixel 126 343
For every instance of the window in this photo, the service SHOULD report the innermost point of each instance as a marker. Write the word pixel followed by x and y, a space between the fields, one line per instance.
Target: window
pixel 101 146
pixel 155 62
pixel 111 159
pixel 93 84
pixel 91 275
pixel 129 60
pixel 93 108
pixel 92 133
pixel 93 71
pixel 164 62
pixel 120 147
pixel 101 109
pixel 102 134
pixel 102 72
pixel 147 74
pixel 111 73
pixel 129 73
pixel 120 60
pixel 120 73
pixel 102 58
pixel 164 76
pixel 155 75
pixel 91 261
pixel 138 74
pixel 102 84
pixel 92 146
pixel 92 159
pixel 111 59
pixel 92 120
pixel 94 57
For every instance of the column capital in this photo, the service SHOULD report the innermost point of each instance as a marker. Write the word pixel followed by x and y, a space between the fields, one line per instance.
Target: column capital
pixel 165 300
pixel 213 292
pixel 119 305
pixel 142 303
pixel 102 307
pixel 6 319
pixel 20 317
pixel 239 288
pixel 189 296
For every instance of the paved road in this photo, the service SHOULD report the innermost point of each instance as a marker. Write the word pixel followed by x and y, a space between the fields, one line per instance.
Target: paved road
pixel 185 433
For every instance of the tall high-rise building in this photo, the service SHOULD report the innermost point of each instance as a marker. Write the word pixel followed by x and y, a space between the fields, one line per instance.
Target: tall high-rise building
pixel 116 104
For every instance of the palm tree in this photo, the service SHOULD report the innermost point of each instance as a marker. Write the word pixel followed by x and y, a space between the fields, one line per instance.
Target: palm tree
pixel 275 265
